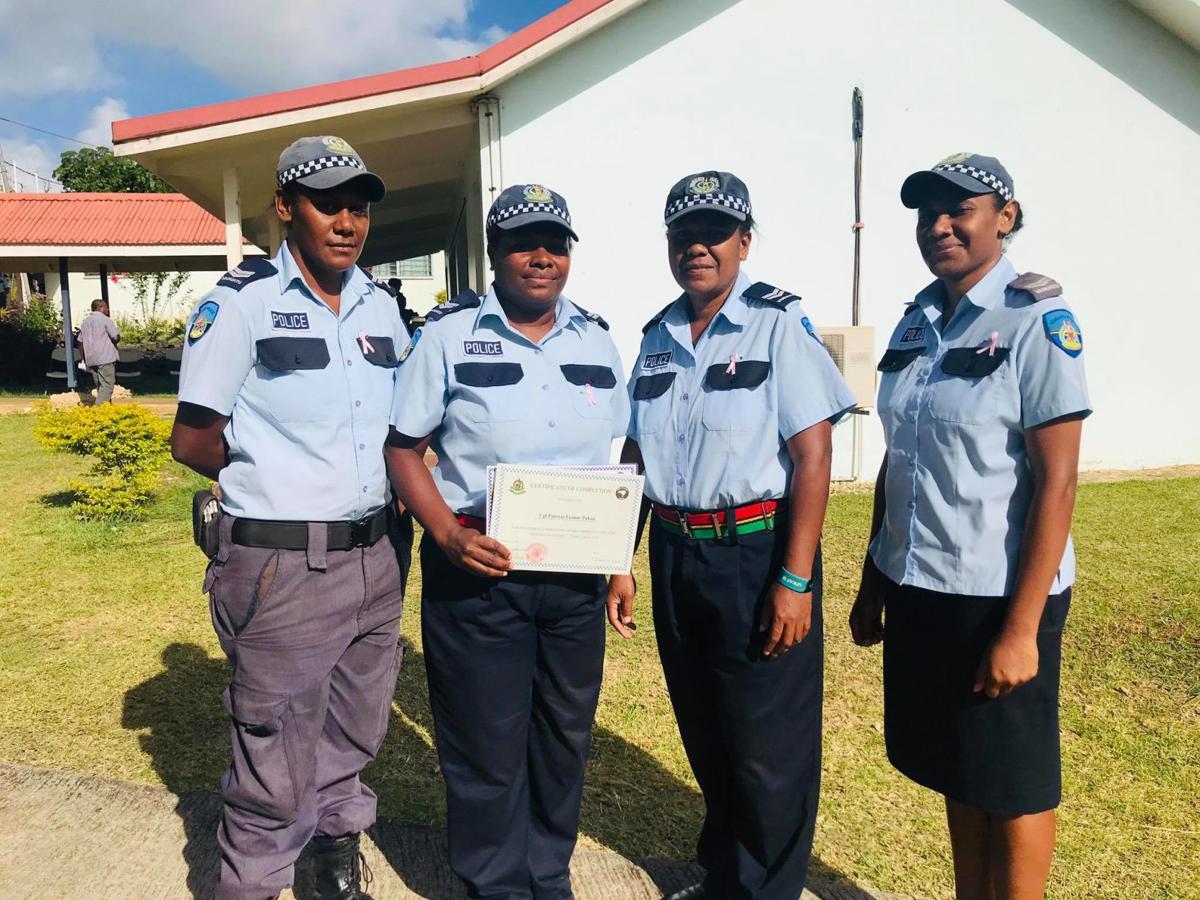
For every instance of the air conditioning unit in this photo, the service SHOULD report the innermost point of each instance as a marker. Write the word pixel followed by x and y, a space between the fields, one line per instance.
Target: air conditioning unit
pixel 853 349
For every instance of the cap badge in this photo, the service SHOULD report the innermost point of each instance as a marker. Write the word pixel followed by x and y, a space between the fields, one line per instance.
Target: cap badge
pixel 337 145
pixel 535 193
pixel 704 184
pixel 952 160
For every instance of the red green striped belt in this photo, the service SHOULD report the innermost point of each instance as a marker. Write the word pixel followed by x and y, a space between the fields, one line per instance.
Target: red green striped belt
pixel 748 519
pixel 473 522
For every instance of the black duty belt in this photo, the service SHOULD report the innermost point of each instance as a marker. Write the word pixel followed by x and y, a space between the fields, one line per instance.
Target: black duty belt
pixel 294 535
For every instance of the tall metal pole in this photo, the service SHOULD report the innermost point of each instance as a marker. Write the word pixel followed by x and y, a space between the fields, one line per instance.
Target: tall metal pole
pixel 104 282
pixel 64 275
pixel 856 102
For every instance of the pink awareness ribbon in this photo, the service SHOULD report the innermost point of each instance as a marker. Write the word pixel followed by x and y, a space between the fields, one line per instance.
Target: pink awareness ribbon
pixel 364 343
pixel 990 347
pixel 731 369
pixel 591 395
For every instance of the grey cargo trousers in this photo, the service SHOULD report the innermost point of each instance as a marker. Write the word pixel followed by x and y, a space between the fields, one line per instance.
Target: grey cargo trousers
pixel 314 641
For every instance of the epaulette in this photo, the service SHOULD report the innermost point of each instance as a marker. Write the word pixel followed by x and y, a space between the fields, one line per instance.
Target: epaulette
pixel 767 293
pixel 246 272
pixel 1040 287
pixel 658 317
pixel 591 317
pixel 468 299
pixel 385 287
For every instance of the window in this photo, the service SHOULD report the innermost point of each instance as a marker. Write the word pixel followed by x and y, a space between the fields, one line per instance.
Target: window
pixel 416 267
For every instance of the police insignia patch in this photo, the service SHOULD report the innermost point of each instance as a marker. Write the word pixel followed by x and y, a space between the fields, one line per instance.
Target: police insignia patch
pixel 952 159
pixel 337 145
pixel 812 332
pixel 704 184
pixel 205 316
pixel 408 348
pixel 535 193
pixel 1063 332
pixel 913 334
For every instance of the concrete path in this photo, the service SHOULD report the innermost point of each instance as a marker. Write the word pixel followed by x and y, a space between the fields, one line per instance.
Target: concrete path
pixel 64 835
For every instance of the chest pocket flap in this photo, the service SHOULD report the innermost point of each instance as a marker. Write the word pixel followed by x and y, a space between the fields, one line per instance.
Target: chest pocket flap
pixel 288 354
pixel 748 373
pixel 490 374
pixel 596 376
pixel 382 352
pixel 647 387
pixel 895 360
pixel 968 361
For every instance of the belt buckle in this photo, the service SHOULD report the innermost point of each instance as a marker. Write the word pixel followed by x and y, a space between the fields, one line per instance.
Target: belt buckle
pixel 684 525
pixel 360 532
pixel 768 517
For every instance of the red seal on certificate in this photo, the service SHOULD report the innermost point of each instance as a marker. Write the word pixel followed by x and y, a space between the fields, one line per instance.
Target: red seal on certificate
pixel 535 553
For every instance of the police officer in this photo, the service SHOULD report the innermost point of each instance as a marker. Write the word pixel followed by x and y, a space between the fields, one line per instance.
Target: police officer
pixel 734 397
pixel 981 399
pixel 284 396
pixel 522 375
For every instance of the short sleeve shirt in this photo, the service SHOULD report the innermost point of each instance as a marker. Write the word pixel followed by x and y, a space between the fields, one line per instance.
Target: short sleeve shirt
pixel 712 420
pixel 489 395
pixel 308 392
pixel 96 336
pixel 955 400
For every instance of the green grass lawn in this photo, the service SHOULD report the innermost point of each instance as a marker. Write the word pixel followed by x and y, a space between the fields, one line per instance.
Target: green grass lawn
pixel 108 665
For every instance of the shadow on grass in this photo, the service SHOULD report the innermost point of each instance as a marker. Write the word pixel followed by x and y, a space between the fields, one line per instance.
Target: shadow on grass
pixel 58 499
pixel 187 741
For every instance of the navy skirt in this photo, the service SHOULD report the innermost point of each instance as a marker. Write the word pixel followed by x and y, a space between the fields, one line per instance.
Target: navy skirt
pixel 998 755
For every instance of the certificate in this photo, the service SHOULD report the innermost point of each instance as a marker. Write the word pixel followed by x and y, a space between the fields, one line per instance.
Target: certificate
pixel 565 519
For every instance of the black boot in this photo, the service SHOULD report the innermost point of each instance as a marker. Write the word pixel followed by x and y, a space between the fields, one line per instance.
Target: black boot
pixel 339 869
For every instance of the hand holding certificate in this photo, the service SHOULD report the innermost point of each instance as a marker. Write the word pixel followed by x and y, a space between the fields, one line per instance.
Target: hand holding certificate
pixel 564 519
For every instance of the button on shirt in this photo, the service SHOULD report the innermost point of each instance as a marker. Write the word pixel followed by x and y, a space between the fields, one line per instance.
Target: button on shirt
pixel 712 431
pixel 308 399
pixel 96 336
pixel 490 395
pixel 959 482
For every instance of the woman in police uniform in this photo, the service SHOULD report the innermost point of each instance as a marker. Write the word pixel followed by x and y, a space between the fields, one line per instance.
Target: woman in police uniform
pixel 982 398
pixel 514 658
pixel 733 398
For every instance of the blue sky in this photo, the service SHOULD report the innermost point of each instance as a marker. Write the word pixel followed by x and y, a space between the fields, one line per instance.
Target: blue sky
pixel 72 66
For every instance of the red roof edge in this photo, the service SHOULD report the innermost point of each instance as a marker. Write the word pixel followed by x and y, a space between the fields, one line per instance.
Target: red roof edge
pixel 355 88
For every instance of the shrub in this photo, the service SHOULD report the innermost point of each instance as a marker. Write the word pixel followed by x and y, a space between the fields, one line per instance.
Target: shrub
pixel 129 444
pixel 26 338
pixel 153 335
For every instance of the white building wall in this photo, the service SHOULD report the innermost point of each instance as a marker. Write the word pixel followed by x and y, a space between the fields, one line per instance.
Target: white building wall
pixel 1097 120
pixel 122 298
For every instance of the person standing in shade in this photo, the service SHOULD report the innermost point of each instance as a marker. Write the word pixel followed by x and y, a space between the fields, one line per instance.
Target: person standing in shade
pixel 522 375
pixel 734 397
pixel 286 387
pixel 982 400
pixel 98 339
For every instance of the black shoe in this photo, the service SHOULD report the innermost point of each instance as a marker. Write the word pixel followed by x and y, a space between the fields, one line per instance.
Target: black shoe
pixel 339 869
pixel 691 892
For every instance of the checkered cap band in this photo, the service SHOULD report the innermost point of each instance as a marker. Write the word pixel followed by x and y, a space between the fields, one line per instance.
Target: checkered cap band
pixel 726 200
pixel 518 209
pixel 316 165
pixel 980 175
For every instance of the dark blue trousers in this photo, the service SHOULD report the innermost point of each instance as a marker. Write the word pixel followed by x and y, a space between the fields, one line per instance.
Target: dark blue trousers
pixel 514 669
pixel 751 726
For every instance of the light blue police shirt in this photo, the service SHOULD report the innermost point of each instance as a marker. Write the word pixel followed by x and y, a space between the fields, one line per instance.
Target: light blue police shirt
pixel 959 483
pixel 308 401
pixel 712 434
pixel 490 395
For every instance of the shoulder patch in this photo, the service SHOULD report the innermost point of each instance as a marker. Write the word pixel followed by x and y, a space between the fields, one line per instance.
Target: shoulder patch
pixel 591 317
pixel 246 272
pixel 767 293
pixel 410 346
pixel 1041 287
pixel 206 314
pixel 468 299
pixel 1063 332
pixel 658 317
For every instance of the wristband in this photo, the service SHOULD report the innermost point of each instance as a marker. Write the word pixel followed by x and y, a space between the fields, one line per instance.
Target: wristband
pixel 794 582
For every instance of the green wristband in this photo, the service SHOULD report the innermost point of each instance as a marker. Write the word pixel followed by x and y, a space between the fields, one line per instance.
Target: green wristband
pixel 794 582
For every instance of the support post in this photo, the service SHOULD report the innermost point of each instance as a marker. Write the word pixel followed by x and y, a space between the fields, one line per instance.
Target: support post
pixel 233 218
pixel 68 336
pixel 104 282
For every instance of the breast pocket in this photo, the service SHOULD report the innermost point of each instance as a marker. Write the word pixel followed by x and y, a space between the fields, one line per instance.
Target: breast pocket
pixel 380 350
pixel 896 379
pixel 491 391
pixel 967 387
pixel 292 371
pixel 737 400
pixel 591 389
pixel 652 401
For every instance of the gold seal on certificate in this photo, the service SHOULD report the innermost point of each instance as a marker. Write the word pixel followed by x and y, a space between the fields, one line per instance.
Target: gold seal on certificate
pixel 566 519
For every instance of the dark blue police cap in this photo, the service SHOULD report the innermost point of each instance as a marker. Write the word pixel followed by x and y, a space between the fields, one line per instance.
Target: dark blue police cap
pixel 529 204
pixel 973 173
pixel 721 191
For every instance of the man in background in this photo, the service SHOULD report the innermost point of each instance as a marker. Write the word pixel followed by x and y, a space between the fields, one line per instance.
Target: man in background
pixel 98 343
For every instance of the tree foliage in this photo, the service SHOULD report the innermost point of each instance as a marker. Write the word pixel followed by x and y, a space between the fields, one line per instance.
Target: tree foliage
pixel 95 169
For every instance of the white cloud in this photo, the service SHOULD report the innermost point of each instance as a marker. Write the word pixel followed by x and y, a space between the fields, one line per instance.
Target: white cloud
pixel 267 45
pixel 32 156
pixel 98 129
